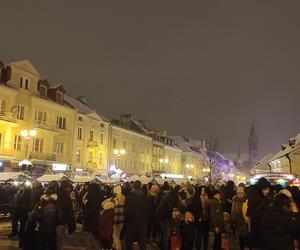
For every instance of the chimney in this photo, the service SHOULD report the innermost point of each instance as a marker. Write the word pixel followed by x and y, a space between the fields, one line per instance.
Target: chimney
pixel 82 99
pixel 143 122
pixel 125 120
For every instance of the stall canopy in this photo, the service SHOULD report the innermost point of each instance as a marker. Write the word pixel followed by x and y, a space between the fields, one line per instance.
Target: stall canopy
pixel 51 177
pixel 14 176
pixel 82 179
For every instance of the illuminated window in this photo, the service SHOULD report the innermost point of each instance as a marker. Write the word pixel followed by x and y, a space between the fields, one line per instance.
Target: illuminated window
pixel 17 142
pixel 59 148
pixel 24 83
pixel 37 145
pixel 20 112
pixel 78 155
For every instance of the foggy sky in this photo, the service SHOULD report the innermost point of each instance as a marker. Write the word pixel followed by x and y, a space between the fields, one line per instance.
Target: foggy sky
pixel 192 67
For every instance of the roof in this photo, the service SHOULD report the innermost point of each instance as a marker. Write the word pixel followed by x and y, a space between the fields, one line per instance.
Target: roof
pixel 80 106
pixel 186 144
pixel 82 179
pixel 261 166
pixel 12 176
pixel 51 177
pixel 288 148
pixel 25 65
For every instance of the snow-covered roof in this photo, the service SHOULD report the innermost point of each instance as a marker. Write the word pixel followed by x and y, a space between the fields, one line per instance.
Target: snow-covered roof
pixel 82 179
pixel 261 166
pixel 5 176
pixel 51 177
pixel 80 106
pixel 184 144
pixel 288 149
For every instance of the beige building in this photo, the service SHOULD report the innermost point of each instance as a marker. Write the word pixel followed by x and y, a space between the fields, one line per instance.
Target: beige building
pixel 129 150
pixel 30 104
pixel 89 152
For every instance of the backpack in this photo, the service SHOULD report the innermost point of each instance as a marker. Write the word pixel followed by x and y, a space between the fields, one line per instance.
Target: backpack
pixel 49 212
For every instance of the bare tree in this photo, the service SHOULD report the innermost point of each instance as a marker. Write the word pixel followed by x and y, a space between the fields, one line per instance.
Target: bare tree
pixel 211 157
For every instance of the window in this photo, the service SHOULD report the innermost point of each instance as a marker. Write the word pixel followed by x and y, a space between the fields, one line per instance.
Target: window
pixel 78 155
pixel 102 125
pixel 1 136
pixel 80 118
pixel 124 144
pixel 37 145
pixel 59 97
pixel 91 138
pixel 114 143
pixel 24 83
pixel 59 147
pixel 61 122
pixel 21 112
pixel 79 133
pixel 91 156
pixel 17 142
pixel 2 106
pixel 40 116
pixel 101 138
pixel 43 91
pixel 100 158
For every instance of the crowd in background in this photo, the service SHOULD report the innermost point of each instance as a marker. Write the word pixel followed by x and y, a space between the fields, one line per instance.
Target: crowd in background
pixel 262 216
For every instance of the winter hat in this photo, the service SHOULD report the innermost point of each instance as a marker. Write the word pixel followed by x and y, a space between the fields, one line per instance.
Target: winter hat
pixel 262 184
pixel 214 192
pixel 286 192
pixel 117 189
pixel 240 190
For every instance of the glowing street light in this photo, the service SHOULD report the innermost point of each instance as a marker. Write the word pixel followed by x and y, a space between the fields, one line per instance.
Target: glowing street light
pixel 119 152
pixel 27 134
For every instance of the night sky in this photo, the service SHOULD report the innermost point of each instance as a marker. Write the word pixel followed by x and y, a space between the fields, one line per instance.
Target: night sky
pixel 194 68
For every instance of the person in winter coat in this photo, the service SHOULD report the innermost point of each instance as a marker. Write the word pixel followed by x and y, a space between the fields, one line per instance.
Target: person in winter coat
pixel 280 223
pixel 163 215
pixel 237 218
pixel 119 201
pixel 216 218
pixel 200 212
pixel 137 213
pixel 36 193
pixel 258 201
pixel 66 214
pixel 153 227
pixel 20 210
pixel 229 192
pixel 46 212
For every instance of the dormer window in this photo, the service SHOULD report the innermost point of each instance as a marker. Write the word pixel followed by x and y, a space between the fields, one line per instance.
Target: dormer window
pixel 59 97
pixel 43 91
pixel 24 83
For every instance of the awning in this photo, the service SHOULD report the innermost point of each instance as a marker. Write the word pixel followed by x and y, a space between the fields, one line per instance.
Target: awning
pixel 51 177
pixel 82 179
pixel 261 165
pixel 7 176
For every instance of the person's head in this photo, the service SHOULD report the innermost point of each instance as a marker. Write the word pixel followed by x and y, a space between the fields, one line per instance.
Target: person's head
pixel 137 185
pixel 154 190
pixel 52 187
pixel 263 186
pixel 240 192
pixel 182 194
pixel 166 186
pixel 282 202
pixel 73 195
pixel 217 194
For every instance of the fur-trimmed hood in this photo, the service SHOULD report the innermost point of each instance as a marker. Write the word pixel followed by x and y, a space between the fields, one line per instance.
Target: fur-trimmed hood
pixel 47 197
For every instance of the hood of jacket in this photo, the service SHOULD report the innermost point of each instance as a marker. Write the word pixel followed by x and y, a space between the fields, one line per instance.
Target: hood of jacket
pixel 47 197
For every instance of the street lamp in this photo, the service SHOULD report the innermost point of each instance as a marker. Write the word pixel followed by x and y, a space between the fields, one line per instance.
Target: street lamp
pixel 119 152
pixel 27 135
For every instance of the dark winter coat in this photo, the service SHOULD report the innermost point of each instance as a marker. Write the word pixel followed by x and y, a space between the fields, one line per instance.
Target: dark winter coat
pixel 137 207
pixel 201 214
pixel 36 194
pixel 257 203
pixel 216 215
pixel 278 229
pixel 164 209
pixel 66 213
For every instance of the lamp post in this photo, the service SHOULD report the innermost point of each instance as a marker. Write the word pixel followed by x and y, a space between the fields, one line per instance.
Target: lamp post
pixel 27 135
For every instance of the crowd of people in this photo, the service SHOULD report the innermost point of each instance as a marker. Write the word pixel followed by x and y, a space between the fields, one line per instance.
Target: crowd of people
pixel 262 216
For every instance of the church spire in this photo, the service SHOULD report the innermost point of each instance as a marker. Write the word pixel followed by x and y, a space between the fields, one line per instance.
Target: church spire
pixel 253 145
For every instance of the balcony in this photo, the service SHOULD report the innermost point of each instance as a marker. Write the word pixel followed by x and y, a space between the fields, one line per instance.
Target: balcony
pixel 91 165
pixel 92 144
pixel 46 125
pixel 8 116
pixel 42 156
